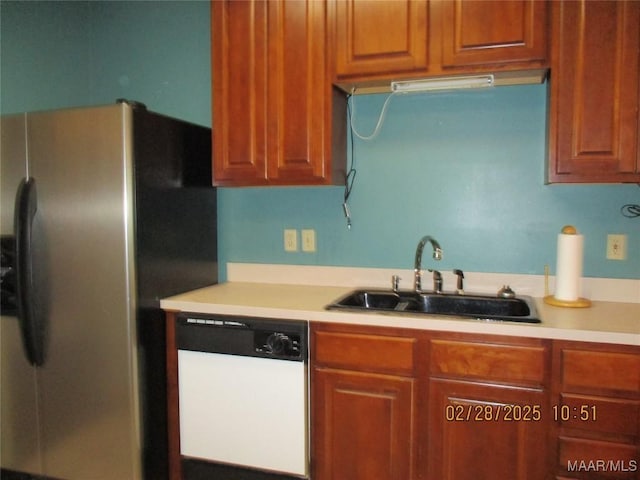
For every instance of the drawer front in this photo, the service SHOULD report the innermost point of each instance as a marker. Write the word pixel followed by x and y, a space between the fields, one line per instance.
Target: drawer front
pixel 599 414
pixel 600 459
pixel 494 362
pixel 601 372
pixel 377 353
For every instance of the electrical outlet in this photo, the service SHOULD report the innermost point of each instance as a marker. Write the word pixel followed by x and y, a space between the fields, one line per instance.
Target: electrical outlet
pixel 617 247
pixel 290 240
pixel 308 240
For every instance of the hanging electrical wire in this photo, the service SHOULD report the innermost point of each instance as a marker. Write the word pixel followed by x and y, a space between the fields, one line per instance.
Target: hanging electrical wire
pixel 351 174
pixel 352 113
pixel 630 210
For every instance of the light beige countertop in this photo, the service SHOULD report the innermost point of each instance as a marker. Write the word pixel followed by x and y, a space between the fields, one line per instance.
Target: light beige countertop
pixel 606 322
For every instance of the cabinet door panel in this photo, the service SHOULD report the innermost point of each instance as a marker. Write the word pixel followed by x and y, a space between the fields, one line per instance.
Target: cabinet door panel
pixel 239 30
pixel 300 98
pixel 377 353
pixel 380 36
pixel 480 32
pixel 277 120
pixel 517 364
pixel 362 426
pixel 480 434
pixel 612 416
pixel 594 92
pixel 610 373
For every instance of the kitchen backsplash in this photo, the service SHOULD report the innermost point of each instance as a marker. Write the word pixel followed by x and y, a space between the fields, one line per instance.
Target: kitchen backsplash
pixel 596 289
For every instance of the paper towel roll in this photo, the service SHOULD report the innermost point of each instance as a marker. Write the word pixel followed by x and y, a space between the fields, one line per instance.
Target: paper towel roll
pixel 569 266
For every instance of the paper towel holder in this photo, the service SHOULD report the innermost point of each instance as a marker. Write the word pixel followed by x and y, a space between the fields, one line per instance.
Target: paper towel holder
pixel 579 303
pixel 551 299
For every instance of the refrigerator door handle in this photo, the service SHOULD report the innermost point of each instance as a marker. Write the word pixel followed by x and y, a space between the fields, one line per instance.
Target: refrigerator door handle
pixel 28 307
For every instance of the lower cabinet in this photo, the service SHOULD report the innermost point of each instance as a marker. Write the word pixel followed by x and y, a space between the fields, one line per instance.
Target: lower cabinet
pixel 488 407
pixel 395 404
pixel 363 428
pixel 364 403
pixel 596 408
pixel 483 431
pixel 402 404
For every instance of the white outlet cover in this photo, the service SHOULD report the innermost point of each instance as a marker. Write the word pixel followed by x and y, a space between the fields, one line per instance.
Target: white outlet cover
pixel 616 247
pixel 308 240
pixel 290 240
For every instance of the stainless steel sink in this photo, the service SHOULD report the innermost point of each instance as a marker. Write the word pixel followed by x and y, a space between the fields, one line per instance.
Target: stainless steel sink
pixel 484 307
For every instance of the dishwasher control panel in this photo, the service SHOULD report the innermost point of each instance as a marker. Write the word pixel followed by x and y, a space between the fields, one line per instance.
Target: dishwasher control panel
pixel 278 344
pixel 254 337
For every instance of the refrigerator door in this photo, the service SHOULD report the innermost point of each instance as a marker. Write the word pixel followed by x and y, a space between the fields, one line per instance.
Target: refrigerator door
pixel 18 406
pixel 87 386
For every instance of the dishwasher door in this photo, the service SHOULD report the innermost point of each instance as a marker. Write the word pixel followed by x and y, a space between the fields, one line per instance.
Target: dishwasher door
pixel 243 410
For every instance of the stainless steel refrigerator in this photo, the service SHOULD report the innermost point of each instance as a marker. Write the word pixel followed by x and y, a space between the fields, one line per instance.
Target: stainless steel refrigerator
pixel 105 210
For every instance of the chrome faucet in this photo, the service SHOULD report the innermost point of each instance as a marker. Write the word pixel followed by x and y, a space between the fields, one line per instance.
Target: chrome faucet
pixel 417 268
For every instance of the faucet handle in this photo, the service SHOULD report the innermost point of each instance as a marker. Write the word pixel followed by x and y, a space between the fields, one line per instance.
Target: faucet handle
pixel 437 281
pixel 395 282
pixel 460 282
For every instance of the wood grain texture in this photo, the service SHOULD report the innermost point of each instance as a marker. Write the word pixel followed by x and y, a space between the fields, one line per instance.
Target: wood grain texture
pixel 593 111
pixel 173 402
pixel 277 120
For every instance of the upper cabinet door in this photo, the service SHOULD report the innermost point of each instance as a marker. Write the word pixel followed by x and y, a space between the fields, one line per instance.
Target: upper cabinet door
pixel 381 40
pixel 239 74
pixel 378 37
pixel 276 117
pixel 482 32
pixel 593 124
pixel 300 108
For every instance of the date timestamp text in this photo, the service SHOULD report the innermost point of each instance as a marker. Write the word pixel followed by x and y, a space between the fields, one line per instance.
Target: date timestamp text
pixel 583 413
pixel 465 412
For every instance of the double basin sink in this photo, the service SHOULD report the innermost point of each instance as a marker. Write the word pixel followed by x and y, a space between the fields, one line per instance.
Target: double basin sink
pixel 482 307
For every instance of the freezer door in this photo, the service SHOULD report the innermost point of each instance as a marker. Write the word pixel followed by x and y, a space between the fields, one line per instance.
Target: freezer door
pixel 18 407
pixel 81 162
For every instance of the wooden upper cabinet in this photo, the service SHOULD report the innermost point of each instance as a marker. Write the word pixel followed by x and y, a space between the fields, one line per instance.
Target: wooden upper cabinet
pixel 594 120
pixel 239 61
pixel 381 40
pixel 307 118
pixel 484 32
pixel 374 37
pixel 277 120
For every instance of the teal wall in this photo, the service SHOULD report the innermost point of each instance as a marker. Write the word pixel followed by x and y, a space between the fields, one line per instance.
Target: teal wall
pixel 44 55
pixel 466 167
pixel 57 54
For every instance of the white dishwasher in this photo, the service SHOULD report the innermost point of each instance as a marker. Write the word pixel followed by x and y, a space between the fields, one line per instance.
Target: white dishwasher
pixel 243 394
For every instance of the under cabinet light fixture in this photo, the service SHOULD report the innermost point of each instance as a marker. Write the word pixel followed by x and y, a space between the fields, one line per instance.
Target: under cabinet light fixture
pixel 443 83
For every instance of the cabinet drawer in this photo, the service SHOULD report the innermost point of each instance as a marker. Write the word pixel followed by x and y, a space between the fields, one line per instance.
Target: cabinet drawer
pixel 494 362
pixel 602 459
pixel 601 372
pixel 599 414
pixel 379 353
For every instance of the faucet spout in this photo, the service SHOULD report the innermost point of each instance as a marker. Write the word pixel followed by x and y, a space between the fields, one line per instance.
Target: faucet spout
pixel 417 266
